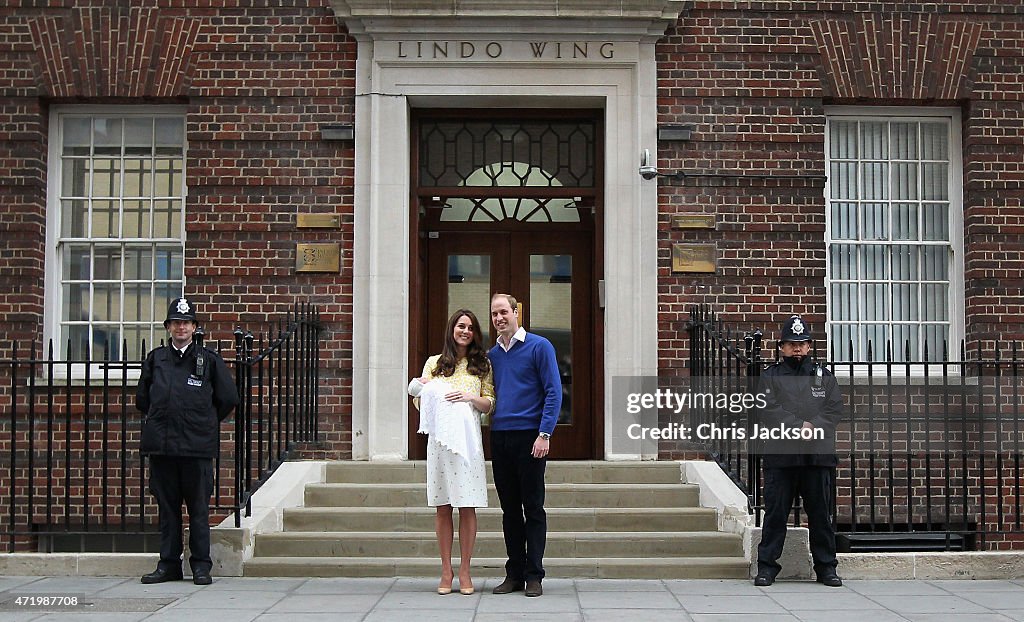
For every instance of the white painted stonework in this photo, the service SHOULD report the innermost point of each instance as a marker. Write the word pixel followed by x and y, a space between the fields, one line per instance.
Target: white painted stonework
pixel 512 54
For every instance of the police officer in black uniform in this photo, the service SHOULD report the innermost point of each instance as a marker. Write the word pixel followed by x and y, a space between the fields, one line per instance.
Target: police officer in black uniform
pixel 802 398
pixel 185 392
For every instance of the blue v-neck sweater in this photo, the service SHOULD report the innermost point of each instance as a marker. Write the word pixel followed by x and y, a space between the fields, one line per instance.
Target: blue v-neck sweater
pixel 527 385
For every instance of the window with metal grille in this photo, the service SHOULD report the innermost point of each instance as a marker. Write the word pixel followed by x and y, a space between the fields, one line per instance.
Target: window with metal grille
pixel 117 210
pixel 893 234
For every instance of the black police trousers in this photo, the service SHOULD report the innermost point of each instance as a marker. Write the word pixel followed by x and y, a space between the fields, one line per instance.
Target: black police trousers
pixel 173 480
pixel 814 484
pixel 519 481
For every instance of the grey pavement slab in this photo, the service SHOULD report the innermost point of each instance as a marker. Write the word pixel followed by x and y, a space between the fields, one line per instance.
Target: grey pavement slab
pixel 314 617
pixel 985 585
pixel 760 605
pixel 628 600
pixel 518 603
pixel 234 599
pixel 241 584
pixel 836 599
pixel 218 599
pixel 938 605
pixel 962 617
pixel 344 585
pixel 996 600
pixel 711 587
pixel 94 617
pixel 420 601
pixel 223 615
pixel 647 615
pixel 429 615
pixel 741 617
pixel 874 615
pixel 530 617
pixel 905 588
pixel 9 583
pixel 324 603
pixel 624 585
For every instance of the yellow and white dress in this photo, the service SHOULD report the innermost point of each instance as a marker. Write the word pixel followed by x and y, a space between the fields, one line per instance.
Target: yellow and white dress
pixel 455 465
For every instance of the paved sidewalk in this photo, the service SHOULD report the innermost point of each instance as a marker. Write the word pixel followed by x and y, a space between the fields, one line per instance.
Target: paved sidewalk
pixel 414 600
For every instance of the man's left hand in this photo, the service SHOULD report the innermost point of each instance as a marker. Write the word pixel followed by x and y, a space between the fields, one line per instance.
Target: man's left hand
pixel 541 446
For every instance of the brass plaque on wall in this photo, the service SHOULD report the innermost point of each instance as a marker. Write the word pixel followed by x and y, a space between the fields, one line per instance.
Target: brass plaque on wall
pixel 318 258
pixel 694 257
pixel 693 221
pixel 318 221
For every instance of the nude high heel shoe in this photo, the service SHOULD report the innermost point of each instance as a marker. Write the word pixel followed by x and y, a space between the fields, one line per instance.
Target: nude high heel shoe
pixel 443 589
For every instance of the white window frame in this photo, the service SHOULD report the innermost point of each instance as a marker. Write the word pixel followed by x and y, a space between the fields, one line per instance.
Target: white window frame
pixel 53 273
pixel 956 230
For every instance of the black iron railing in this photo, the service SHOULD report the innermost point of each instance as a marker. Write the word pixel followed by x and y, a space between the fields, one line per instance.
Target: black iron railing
pixel 722 361
pixel 278 383
pixel 69 434
pixel 929 450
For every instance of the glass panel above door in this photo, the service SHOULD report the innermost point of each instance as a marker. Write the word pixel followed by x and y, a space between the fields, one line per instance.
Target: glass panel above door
pixel 519 209
pixel 481 154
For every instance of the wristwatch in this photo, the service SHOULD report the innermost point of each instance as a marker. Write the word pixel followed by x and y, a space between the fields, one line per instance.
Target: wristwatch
pixel 544 435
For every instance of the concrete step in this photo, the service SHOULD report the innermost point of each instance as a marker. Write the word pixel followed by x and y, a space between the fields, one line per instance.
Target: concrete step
pixel 605 520
pixel 557 495
pixel 492 544
pixel 559 519
pixel 583 568
pixel 560 472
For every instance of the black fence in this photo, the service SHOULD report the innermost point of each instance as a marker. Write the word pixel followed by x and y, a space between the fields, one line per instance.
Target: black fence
pixel 73 477
pixel 929 450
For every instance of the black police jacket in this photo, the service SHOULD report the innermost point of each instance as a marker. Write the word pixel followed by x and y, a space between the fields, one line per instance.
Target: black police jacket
pixel 184 410
pixel 793 396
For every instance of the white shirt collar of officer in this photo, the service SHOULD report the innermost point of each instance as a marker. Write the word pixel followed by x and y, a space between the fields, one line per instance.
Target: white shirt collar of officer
pixel 182 351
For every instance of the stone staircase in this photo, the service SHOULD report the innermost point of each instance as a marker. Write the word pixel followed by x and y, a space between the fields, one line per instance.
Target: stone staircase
pixel 605 519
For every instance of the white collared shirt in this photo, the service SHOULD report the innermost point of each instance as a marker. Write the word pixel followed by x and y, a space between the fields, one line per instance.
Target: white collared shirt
pixel 519 335
pixel 182 351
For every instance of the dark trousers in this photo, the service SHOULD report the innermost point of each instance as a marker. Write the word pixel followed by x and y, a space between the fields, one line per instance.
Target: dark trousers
pixel 814 484
pixel 173 480
pixel 519 480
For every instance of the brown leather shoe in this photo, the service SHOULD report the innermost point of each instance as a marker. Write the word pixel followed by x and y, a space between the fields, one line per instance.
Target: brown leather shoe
pixel 508 586
pixel 533 588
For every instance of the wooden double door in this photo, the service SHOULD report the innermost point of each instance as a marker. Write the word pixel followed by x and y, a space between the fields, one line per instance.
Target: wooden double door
pixel 551 273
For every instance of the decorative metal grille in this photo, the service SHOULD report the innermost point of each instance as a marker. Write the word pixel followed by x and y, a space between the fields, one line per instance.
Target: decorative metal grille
pixel 542 153
pixel 499 209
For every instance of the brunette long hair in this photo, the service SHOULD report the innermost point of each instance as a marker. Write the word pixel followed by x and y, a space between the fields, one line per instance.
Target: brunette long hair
pixel 476 357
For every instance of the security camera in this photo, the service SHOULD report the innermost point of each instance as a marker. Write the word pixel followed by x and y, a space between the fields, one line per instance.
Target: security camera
pixel 647 170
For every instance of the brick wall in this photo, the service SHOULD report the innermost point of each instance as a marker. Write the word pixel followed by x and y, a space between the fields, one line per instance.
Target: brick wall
pixel 259 80
pixel 752 79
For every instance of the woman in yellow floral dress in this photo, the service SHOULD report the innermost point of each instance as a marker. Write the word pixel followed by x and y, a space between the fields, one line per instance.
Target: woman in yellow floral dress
pixel 463 388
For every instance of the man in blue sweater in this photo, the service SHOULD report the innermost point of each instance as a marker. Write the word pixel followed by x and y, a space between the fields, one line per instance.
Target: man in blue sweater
pixel 529 398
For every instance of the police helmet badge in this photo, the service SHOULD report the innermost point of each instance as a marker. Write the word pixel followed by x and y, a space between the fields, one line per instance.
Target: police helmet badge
pixel 795 329
pixel 180 309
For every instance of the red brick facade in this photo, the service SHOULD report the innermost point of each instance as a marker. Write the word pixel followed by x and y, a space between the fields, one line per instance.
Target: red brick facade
pixel 258 81
pixel 752 79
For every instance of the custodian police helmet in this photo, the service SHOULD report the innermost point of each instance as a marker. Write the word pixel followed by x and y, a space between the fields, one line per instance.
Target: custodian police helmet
pixel 180 309
pixel 795 329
